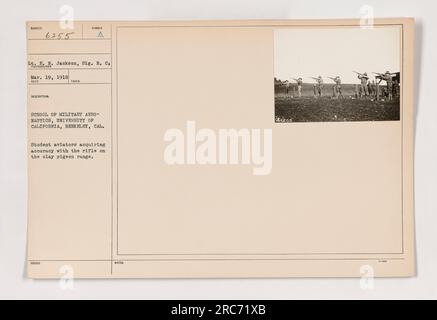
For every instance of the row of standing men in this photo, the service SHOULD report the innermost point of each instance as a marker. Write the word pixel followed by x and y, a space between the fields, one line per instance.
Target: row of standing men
pixel 366 88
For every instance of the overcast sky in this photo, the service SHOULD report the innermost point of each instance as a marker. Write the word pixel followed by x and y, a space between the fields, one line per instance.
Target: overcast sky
pixel 336 51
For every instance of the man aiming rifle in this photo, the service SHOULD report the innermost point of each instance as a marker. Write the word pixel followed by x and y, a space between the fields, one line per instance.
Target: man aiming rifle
pixel 388 78
pixel 364 78
pixel 299 82
pixel 318 85
pixel 286 83
pixel 337 86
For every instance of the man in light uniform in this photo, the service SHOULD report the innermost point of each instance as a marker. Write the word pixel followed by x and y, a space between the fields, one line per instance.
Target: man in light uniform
pixel 337 87
pixel 396 88
pixel 372 88
pixel 287 87
pixel 299 86
pixel 319 86
pixel 389 80
pixel 364 79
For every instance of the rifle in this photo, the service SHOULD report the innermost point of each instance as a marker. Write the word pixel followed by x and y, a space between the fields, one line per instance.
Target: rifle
pixel 383 74
pixel 360 74
pixel 379 76
pixel 333 79
pixel 317 79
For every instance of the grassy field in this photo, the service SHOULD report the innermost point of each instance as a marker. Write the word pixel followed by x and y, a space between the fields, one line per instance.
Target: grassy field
pixel 290 108
pixel 309 109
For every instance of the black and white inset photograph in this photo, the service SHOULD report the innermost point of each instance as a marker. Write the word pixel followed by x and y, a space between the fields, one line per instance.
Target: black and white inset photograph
pixel 338 74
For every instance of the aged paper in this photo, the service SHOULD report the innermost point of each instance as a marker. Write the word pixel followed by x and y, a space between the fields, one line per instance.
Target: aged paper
pixel 220 149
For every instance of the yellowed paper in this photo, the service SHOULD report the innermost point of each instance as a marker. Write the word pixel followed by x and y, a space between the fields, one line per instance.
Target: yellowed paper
pixel 191 149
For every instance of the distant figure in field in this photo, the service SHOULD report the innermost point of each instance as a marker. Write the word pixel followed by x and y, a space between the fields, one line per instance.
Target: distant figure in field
pixel 299 82
pixel 287 87
pixel 396 88
pixel 364 78
pixel 389 80
pixel 337 87
pixel 369 88
pixel 319 86
pixel 373 88
pixel 334 91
